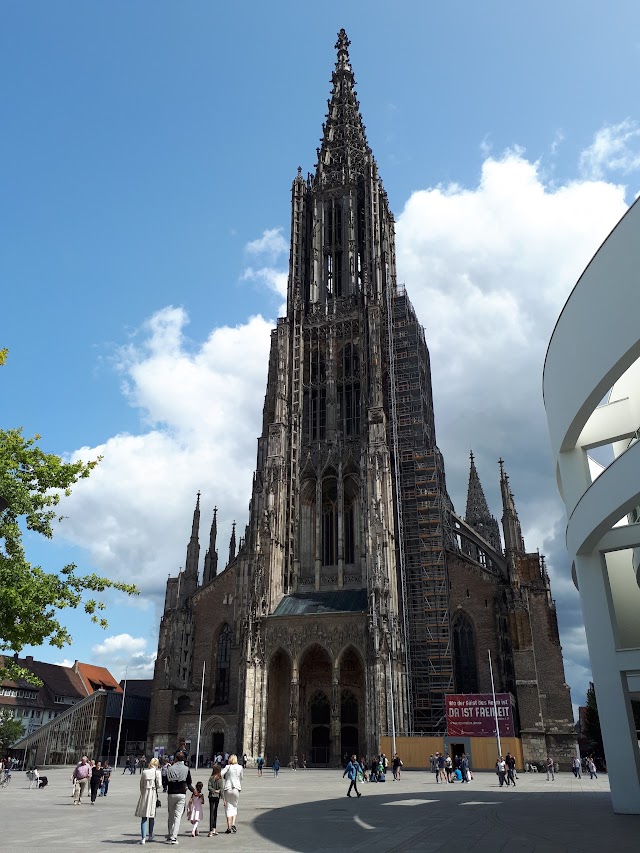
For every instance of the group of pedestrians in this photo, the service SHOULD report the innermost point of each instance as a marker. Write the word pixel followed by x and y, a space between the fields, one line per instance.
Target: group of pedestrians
pixel 448 769
pixel 225 783
pixel 90 777
pixel 506 770
pixel 132 764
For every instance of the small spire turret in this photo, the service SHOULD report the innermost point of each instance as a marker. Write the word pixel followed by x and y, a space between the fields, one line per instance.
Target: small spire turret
pixel 193 553
pixel 232 544
pixel 211 557
pixel 477 514
pixel 513 541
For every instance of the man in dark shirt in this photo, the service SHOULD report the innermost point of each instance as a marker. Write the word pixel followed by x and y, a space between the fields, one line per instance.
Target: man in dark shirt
pixel 178 780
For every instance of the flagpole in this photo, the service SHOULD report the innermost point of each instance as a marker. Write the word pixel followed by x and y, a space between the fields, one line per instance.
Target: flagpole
pixel 200 717
pixel 124 694
pixel 495 707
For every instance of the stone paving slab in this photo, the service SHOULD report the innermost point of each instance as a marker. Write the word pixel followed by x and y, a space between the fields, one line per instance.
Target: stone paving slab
pixel 308 812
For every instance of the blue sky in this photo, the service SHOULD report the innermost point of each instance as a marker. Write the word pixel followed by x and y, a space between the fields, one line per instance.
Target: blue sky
pixel 146 160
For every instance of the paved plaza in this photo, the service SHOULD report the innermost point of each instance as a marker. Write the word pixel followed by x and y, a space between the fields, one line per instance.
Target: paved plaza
pixel 308 811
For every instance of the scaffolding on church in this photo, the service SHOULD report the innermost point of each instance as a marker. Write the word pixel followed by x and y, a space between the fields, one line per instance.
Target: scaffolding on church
pixel 424 516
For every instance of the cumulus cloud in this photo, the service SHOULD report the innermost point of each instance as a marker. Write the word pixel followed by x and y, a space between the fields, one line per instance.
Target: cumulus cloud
pixel 488 269
pixel 615 148
pixel 267 249
pixel 123 654
pixel 271 244
pixel 202 409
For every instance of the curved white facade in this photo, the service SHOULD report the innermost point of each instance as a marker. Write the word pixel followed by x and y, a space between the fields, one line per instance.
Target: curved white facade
pixel 593 354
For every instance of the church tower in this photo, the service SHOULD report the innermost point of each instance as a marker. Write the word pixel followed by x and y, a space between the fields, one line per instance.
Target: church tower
pixel 355 599
pixel 326 669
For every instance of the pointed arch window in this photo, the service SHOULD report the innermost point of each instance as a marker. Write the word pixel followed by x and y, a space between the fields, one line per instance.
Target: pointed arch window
pixel 329 522
pixel 464 655
pixel 315 392
pixel 223 666
pixel 349 390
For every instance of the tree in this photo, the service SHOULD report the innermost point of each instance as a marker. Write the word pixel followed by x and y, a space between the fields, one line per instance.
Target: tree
pixel 31 484
pixel 10 731
pixel 592 722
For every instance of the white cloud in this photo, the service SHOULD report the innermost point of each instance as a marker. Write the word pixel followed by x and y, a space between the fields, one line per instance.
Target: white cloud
pixel 275 280
pixel 122 654
pixel 203 412
pixel 615 148
pixel 488 269
pixel 271 244
pixel 120 644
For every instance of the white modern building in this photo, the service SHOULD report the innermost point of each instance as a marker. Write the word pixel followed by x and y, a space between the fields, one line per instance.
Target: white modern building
pixel 591 389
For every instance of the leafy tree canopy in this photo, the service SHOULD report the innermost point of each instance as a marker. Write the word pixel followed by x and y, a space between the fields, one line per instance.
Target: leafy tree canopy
pixel 10 731
pixel 31 598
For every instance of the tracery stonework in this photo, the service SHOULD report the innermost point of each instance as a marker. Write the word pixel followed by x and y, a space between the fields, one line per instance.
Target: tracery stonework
pixel 353 563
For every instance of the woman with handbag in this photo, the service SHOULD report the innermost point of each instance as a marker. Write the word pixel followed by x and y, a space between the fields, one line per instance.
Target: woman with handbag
pixel 232 786
pixel 148 802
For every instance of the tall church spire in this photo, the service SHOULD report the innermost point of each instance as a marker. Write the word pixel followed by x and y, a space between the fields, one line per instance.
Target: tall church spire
pixel 477 514
pixel 513 541
pixel 211 557
pixel 344 148
pixel 193 553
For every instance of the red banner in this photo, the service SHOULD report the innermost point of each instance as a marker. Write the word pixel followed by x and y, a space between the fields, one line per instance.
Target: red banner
pixel 473 715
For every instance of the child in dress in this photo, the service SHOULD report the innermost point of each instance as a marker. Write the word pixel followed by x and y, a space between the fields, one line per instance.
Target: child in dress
pixel 195 809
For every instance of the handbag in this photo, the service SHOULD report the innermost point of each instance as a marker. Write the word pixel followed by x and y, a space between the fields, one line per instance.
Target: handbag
pixel 158 803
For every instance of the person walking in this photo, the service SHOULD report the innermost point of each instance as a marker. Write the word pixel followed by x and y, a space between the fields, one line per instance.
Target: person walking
pixel 396 767
pixel 448 766
pixel 127 765
pixel 81 776
pixel 215 788
pixel 351 770
pixel 511 769
pixel 163 773
pixel 260 765
pixel 178 781
pixel 195 809
pixel 232 774
pixel 575 766
pixel 150 787
pixel 550 772
pixel 106 777
pixel 501 770
pixel 591 767
pixel 435 766
pixel 95 782
pixel 276 766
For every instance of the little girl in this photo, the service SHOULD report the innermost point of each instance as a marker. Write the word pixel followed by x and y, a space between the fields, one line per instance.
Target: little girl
pixel 195 809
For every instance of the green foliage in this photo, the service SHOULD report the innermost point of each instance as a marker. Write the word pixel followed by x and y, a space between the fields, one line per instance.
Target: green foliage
pixel 32 483
pixel 592 722
pixel 10 731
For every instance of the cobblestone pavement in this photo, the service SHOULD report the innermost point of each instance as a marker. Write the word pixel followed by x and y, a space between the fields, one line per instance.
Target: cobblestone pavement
pixel 308 812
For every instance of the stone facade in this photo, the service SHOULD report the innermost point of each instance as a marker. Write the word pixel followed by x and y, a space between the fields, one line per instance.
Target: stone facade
pixel 357 597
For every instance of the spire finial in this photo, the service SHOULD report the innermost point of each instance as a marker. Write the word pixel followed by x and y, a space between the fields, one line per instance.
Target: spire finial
pixel 471 456
pixel 501 464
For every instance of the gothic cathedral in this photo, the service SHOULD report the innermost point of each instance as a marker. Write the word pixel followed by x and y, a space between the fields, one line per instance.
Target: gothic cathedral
pixel 356 598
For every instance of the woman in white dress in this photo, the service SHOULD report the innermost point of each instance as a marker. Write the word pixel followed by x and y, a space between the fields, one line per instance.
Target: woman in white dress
pixel 150 787
pixel 232 775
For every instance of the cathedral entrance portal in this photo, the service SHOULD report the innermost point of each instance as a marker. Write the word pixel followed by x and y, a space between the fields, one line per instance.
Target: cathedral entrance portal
pixel 351 704
pixel 278 742
pixel 314 733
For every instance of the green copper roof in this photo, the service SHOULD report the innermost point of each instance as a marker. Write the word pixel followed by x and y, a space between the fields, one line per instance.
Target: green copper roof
pixel 342 601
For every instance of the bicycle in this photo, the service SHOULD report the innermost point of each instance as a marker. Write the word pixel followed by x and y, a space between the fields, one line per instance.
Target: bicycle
pixel 5 778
